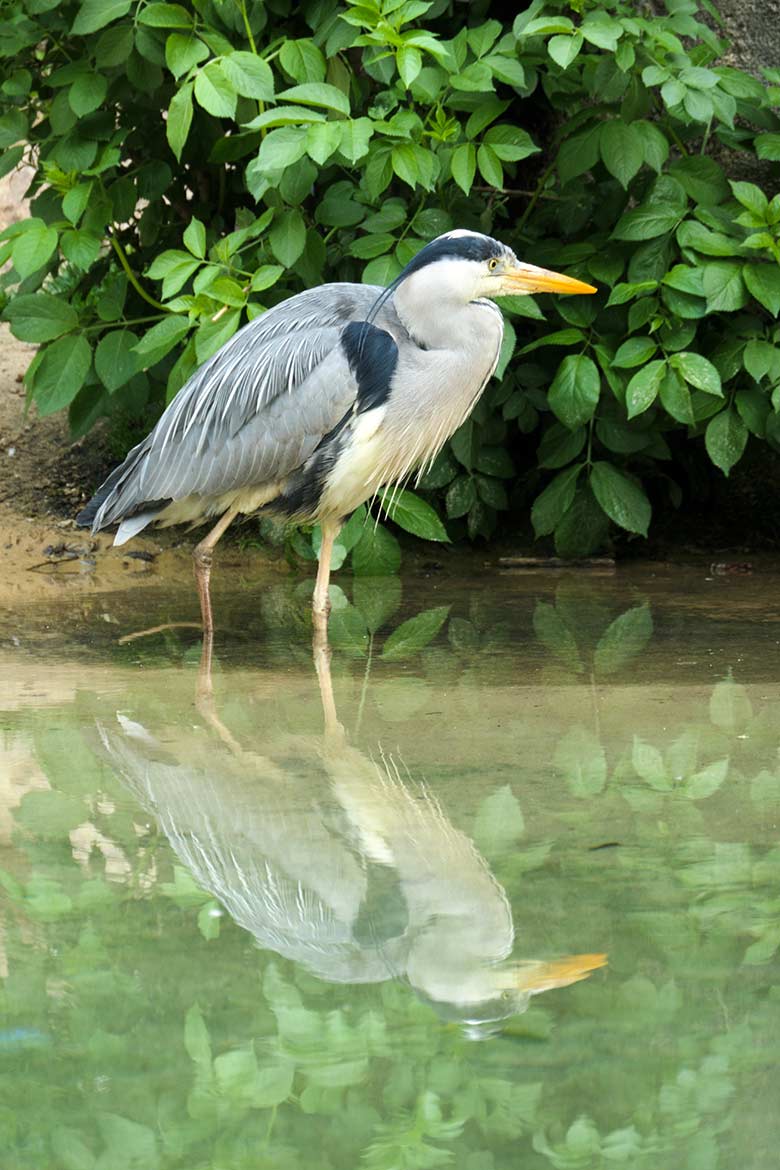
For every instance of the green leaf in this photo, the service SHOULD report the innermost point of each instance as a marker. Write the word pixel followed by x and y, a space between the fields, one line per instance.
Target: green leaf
pixel 559 337
pixel 622 152
pixel 698 371
pixel 183 52
pixel 95 14
pixel 655 146
pixel 280 149
pixel 490 166
pixel 376 598
pixel 751 197
pixel 288 237
pixel 725 439
pixel 624 640
pixel 702 784
pixel 646 222
pixel 74 202
pixel 322 139
pixel 701 178
pixel 579 154
pixel 564 49
pixel 759 358
pixel 165 16
pixel 355 136
pixel 414 634
pixel 128 1144
pixel 214 332
pixel 556 635
pixel 87 93
pixel 648 763
pixel 559 445
pixel 768 146
pixel 377 552
pixel 412 514
pixel 196 1038
pixel 249 75
pixel 302 60
pixel 475 78
pixel 676 398
pixel 80 248
pixel 634 352
pixel 40 317
pixel 551 506
pixel 621 498
pixel 409 63
pixel 642 390
pixel 763 283
pixel 724 287
pixel 693 234
pixel 33 247
pixel 509 143
pixel 215 92
pixel 161 339
pixel 61 372
pixel 584 528
pixel 622 293
pixel 318 94
pixel 499 823
pixel 574 393
pixel 461 496
pixel 194 238
pixel 115 359
pixel 495 461
pixel 464 166
pixel 179 120
pixel 266 276
pixel 581 761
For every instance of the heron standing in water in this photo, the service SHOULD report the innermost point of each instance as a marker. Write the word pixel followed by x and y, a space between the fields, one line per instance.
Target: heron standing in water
pixel 311 409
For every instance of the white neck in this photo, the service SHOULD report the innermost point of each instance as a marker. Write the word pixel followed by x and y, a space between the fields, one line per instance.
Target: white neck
pixel 435 313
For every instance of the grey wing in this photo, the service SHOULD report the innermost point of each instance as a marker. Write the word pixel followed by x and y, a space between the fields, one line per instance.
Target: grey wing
pixel 252 413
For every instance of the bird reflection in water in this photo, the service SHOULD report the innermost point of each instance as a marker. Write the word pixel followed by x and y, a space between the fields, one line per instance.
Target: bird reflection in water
pixel 339 861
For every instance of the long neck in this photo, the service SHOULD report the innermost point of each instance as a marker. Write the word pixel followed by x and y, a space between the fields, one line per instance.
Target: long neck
pixel 435 317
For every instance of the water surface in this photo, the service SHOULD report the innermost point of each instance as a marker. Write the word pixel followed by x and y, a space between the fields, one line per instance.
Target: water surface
pixel 290 927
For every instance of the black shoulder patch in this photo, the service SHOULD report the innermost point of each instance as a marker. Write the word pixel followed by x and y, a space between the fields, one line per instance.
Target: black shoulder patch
pixel 372 355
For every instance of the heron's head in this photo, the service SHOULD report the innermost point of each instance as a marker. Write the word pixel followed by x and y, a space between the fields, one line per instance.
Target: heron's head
pixel 464 266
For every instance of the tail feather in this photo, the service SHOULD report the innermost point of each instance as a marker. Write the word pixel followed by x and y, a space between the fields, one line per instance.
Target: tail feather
pixel 114 500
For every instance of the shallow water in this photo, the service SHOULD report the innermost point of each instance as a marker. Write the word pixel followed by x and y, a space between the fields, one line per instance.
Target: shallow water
pixel 271 930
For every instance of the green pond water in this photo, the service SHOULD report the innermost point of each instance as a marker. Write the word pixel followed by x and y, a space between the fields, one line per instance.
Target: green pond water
pixel 296 927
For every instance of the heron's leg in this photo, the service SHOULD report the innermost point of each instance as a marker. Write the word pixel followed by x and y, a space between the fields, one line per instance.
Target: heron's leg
pixel 334 732
pixel 201 557
pixel 320 603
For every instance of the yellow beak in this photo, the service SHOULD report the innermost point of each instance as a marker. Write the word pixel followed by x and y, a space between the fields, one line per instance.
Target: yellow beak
pixel 526 278
pixel 543 976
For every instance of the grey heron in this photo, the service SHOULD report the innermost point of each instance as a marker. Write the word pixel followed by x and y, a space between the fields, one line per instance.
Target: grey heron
pixel 313 407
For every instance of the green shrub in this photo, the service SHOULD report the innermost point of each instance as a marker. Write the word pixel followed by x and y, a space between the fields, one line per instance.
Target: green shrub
pixel 197 162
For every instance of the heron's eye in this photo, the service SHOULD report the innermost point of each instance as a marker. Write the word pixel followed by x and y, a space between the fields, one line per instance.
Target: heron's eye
pixel 492 264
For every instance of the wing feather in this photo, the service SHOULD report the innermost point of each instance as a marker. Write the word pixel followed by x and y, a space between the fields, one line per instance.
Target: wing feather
pixel 253 413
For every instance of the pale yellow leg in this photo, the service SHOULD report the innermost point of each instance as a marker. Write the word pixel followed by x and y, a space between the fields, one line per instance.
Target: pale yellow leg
pixel 202 557
pixel 320 603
